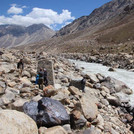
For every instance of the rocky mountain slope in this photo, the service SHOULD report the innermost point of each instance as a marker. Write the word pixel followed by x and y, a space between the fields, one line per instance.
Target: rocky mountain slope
pixel 99 16
pixel 14 35
pixel 108 29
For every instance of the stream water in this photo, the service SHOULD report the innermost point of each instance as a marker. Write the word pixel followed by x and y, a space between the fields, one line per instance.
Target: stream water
pixel 120 74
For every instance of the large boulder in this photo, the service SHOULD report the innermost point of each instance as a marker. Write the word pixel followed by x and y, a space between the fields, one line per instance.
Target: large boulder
pixel 7 68
pixel 61 95
pixel 119 99
pixel 8 57
pixel 92 77
pixel 89 108
pixel 78 83
pixel 14 122
pixel 49 91
pixel 18 104
pixel 7 98
pixel 74 91
pixel 116 86
pixel 47 112
pixel 113 100
pixel 77 120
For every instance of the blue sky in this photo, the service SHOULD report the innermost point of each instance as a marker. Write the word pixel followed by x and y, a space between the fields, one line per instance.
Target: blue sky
pixel 53 13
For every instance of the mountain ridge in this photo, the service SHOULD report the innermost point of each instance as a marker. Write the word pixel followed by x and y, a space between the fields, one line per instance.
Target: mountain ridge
pixel 98 15
pixel 15 35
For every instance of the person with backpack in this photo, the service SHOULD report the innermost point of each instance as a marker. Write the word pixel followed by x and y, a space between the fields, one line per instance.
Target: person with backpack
pixel 41 79
pixel 45 77
pixel 20 66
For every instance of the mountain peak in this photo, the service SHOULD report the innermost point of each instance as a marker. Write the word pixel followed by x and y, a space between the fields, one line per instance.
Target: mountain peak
pixel 12 35
pixel 33 28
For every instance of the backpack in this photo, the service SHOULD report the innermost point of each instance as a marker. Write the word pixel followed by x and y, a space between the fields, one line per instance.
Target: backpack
pixel 37 79
pixel 41 75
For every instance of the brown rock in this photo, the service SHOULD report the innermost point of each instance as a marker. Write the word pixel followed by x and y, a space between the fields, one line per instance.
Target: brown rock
pixel 1 73
pixel 55 130
pixel 129 117
pixel 88 124
pixel 89 108
pixel 74 91
pixel 2 90
pixel 24 95
pixel 42 130
pixel 89 85
pixel 18 104
pixel 49 91
pixel 76 114
pixel 92 77
pixel 11 84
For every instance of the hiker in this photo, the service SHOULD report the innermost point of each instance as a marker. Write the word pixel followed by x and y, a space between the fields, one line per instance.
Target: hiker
pixel 41 78
pixel 45 77
pixel 20 66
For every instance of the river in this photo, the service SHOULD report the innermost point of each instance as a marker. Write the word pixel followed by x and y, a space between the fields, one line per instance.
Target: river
pixel 120 74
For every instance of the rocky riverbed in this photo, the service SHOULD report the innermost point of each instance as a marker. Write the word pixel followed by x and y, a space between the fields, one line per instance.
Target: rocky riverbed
pixel 102 109
pixel 121 60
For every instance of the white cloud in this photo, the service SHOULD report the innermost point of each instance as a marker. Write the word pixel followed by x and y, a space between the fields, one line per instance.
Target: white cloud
pixel 24 6
pixel 38 15
pixel 14 9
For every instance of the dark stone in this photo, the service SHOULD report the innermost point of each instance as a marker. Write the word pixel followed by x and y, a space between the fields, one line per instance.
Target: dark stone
pixel 106 63
pixel 80 84
pixel 51 113
pixel 30 108
pixel 114 102
pixel 1 53
pixel 111 69
pixel 47 112
pixel 77 123
pixel 127 8
pixel 99 105
pixel 132 127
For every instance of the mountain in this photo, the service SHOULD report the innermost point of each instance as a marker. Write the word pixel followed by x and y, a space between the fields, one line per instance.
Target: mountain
pixel 99 16
pixel 15 35
pixel 108 29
